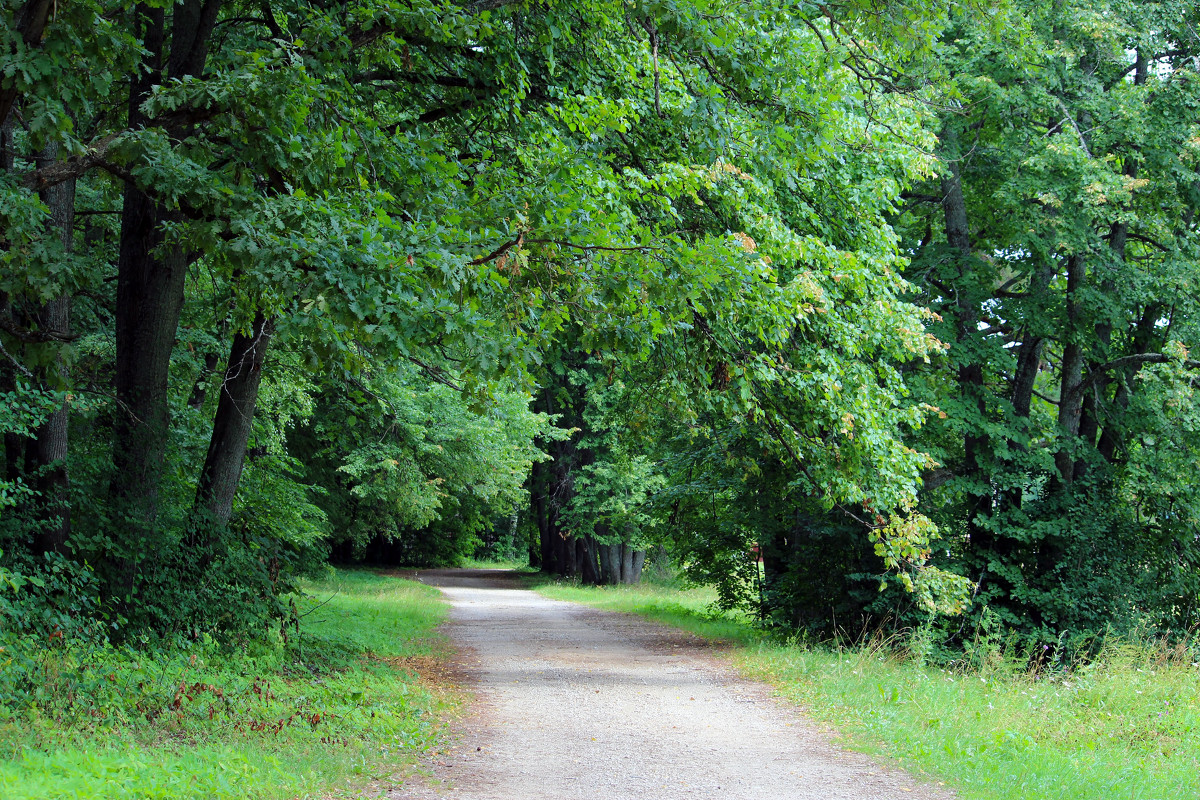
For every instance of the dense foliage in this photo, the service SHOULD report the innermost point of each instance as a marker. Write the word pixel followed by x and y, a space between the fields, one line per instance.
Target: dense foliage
pixel 854 310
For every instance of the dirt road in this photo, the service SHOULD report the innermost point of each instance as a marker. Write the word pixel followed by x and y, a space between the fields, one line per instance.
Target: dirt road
pixel 579 703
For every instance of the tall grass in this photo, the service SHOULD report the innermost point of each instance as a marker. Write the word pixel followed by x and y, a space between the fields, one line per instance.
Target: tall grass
pixel 689 608
pixel 1125 725
pixel 338 706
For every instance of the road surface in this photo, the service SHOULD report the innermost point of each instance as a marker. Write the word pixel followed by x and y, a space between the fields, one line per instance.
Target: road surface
pixel 578 703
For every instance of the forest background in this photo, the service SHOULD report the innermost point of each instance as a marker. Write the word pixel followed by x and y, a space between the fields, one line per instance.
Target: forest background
pixel 864 313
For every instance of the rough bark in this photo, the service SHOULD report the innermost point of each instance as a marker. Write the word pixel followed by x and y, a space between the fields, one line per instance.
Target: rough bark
pixel 192 24
pixel 149 301
pixel 234 422
pixel 610 562
pixel 1070 404
pixel 626 563
pixel 639 561
pixel 970 372
pixel 51 439
pixel 150 281
pixel 589 571
pixel 537 495
pixel 1029 357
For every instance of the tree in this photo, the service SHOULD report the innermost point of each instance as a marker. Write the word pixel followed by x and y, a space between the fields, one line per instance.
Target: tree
pixel 1055 247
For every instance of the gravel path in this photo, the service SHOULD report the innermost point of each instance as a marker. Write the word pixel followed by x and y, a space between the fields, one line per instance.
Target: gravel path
pixel 579 703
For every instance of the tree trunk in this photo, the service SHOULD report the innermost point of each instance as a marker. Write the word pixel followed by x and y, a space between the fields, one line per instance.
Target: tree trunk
pixel 970 371
pixel 150 285
pixel 639 561
pixel 589 572
pixel 51 439
pixel 610 563
pixel 1070 403
pixel 626 563
pixel 1029 359
pixel 537 494
pixel 1118 239
pixel 149 301
pixel 149 298
pixel 234 422
pixel 565 548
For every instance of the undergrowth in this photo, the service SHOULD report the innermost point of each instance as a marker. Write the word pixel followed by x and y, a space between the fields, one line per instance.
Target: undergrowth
pixel 331 704
pixel 1125 724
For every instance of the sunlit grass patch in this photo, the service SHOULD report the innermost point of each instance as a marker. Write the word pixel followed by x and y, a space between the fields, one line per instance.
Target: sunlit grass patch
pixel 1115 728
pixel 345 703
pixel 692 609
pixel 516 564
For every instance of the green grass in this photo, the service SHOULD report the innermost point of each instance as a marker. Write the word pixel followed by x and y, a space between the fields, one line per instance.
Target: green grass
pixel 1126 726
pixel 516 564
pixel 324 714
pixel 690 609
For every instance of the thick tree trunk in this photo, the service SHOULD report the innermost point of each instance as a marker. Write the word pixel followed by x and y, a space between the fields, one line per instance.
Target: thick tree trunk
pixel 564 554
pixel 610 562
pixel 537 494
pixel 234 422
pixel 970 371
pixel 149 299
pixel 1025 378
pixel 1070 403
pixel 639 561
pixel 1029 358
pixel 51 439
pixel 626 563
pixel 1118 239
pixel 150 283
pixel 589 572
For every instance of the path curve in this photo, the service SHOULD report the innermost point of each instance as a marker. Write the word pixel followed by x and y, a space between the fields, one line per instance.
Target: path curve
pixel 579 703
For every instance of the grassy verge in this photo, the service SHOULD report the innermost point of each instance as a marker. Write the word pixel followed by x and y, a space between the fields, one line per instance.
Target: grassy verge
pixel 683 608
pixel 1126 726
pixel 516 565
pixel 338 707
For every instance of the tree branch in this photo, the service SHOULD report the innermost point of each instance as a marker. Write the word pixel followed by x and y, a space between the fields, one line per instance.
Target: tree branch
pixel 1100 371
pixel 10 326
pixel 499 251
pixel 97 152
